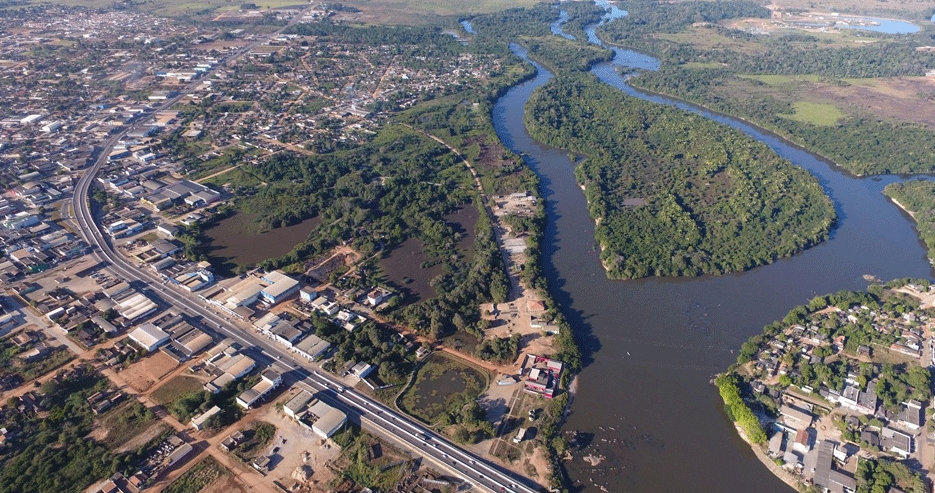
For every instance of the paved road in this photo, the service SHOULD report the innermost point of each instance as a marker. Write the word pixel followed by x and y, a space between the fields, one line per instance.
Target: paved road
pixel 410 434
pixel 371 414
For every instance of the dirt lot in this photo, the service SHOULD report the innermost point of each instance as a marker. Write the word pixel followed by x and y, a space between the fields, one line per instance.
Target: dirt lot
pixel 515 317
pixel 513 404
pixel 143 374
pixel 298 446
pixel 226 484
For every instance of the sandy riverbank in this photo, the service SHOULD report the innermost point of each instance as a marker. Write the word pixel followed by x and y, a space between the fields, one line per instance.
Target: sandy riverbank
pixel 906 210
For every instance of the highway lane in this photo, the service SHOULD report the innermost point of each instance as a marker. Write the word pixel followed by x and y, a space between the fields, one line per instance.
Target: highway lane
pixel 464 464
pixel 470 467
pixel 453 458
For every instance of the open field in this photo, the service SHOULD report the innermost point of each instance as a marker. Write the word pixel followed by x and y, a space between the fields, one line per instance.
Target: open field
pixel 904 99
pixel 782 80
pixel 175 388
pixel 439 382
pixel 202 474
pixel 126 422
pixel 821 114
pixel 144 374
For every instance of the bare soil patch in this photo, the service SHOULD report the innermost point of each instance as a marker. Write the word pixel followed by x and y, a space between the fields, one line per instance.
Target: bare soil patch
pixel 905 98
pixel 226 484
pixel 298 447
pixel 144 374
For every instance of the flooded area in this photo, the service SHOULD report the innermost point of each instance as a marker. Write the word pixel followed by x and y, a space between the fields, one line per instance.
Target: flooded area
pixel 468 27
pixel 404 268
pixel 238 240
pixel 463 221
pixel 887 26
pixel 407 266
pixel 439 381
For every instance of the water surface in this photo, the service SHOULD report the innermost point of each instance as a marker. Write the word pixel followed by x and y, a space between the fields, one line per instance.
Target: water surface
pixel 236 240
pixel 888 26
pixel 644 400
pixel 468 27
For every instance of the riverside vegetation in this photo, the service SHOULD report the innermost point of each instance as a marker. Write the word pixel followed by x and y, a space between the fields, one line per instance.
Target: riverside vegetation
pixel 818 349
pixel 674 193
pixel 711 65
pixel 918 197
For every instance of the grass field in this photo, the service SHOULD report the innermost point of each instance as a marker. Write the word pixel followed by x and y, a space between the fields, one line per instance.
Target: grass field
pixel 441 381
pixel 782 80
pixel 821 114
pixel 701 65
pixel 178 386
pixel 125 422
pixel 200 475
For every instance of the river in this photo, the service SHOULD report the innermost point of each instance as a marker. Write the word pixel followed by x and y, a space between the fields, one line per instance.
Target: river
pixel 644 401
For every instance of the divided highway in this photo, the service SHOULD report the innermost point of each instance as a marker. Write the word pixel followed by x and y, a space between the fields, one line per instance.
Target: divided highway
pixel 371 414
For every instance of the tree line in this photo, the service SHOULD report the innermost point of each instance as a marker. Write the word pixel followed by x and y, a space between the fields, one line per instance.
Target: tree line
pixel 861 143
pixel 675 193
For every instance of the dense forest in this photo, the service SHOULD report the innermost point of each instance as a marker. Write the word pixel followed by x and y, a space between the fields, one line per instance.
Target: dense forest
pixel 919 198
pixel 861 143
pixel 674 193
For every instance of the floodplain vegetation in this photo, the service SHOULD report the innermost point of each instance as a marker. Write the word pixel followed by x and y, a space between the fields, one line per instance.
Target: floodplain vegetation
pixel 857 98
pixel 918 199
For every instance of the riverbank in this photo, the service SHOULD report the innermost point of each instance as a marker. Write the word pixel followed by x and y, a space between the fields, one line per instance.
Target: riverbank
pixel 661 339
pixel 770 464
pixel 858 330
pixel 904 208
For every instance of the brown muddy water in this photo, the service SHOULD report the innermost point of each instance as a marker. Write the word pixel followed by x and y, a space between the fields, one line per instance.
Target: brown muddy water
pixel 651 346
pixel 237 240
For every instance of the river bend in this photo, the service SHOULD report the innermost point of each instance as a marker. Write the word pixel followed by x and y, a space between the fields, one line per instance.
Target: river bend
pixel 644 402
